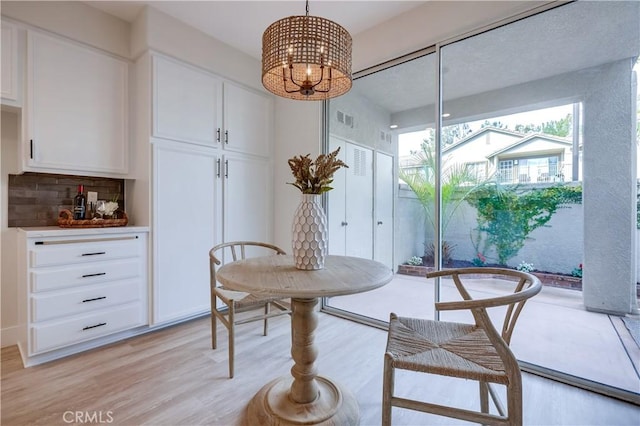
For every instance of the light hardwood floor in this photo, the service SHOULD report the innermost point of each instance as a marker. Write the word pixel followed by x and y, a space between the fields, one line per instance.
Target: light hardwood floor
pixel 172 377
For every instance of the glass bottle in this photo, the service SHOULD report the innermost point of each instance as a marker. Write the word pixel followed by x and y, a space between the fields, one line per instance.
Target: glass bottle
pixel 79 204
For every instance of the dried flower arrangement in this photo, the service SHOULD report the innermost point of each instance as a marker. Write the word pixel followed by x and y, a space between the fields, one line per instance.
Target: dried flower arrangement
pixel 315 177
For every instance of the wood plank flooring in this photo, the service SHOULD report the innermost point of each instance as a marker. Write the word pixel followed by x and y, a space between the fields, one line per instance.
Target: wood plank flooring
pixel 173 377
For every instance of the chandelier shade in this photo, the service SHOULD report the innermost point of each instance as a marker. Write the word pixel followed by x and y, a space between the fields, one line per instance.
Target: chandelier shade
pixel 306 58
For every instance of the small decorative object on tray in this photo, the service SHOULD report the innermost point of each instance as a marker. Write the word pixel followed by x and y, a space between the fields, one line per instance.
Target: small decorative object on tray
pixel 66 220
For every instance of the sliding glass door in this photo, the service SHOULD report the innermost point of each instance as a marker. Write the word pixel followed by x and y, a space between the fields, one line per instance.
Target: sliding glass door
pixel 368 215
pixel 529 161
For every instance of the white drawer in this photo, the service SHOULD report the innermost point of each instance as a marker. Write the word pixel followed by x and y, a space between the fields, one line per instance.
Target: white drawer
pixel 66 303
pixel 55 334
pixel 51 253
pixel 46 279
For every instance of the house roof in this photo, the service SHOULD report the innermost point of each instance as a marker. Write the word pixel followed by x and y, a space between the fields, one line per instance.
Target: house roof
pixel 529 138
pixel 480 132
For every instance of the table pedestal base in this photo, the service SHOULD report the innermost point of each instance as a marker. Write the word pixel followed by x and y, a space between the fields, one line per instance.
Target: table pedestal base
pixel 272 406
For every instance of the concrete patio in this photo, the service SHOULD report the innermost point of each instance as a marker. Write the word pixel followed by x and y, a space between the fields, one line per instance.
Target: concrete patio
pixel 554 330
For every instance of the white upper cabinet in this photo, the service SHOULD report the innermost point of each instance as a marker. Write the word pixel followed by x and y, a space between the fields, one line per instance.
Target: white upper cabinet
pixel 248 120
pixel 10 66
pixel 186 103
pixel 77 109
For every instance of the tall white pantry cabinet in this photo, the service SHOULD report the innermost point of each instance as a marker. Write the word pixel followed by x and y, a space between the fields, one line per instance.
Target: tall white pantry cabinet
pixel 210 142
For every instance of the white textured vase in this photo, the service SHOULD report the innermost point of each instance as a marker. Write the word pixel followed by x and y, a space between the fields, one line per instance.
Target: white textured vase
pixel 309 233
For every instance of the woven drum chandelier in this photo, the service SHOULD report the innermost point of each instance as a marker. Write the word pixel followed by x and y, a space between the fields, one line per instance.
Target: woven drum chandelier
pixel 306 58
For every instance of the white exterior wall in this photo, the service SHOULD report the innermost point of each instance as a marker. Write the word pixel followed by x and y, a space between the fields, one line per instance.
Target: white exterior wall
pixel 610 252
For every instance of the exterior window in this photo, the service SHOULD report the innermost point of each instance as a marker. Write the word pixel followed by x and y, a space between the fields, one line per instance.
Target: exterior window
pixel 505 171
pixel 479 170
pixel 531 170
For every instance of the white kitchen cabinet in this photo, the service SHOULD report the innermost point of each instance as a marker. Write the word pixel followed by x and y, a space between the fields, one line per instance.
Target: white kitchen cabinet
pixel 248 118
pixel 350 212
pixel 11 66
pixel 186 103
pixel 77 109
pixel 206 185
pixel 195 106
pixel 247 198
pixel 200 199
pixel 185 222
pixel 80 288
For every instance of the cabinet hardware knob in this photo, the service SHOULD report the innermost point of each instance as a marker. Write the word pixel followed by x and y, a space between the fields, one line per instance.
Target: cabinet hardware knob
pixel 379 222
pixel 94 275
pixel 94 326
pixel 344 223
pixel 94 254
pixel 94 299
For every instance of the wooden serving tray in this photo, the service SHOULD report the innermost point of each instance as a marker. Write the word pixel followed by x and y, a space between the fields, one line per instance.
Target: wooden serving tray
pixel 66 220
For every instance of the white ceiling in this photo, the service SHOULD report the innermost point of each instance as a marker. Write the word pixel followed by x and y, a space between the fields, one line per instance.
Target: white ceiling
pixel 241 23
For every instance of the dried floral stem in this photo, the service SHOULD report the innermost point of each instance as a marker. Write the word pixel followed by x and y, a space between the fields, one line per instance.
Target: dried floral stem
pixel 315 177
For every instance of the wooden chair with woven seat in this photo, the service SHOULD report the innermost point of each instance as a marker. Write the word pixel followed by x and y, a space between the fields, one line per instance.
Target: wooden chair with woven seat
pixel 235 302
pixel 475 351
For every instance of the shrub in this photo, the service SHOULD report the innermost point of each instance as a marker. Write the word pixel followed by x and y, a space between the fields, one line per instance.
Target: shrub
pixel 429 253
pixel 525 267
pixel 415 261
pixel 479 260
pixel 577 272
pixel 507 215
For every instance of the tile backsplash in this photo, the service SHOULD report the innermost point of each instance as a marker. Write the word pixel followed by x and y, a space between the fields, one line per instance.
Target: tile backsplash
pixel 35 199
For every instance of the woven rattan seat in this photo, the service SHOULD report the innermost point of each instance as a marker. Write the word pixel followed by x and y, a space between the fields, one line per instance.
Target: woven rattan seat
pixel 469 351
pixel 234 302
pixel 445 348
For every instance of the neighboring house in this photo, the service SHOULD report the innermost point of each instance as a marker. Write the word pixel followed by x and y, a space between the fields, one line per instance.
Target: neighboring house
pixel 514 157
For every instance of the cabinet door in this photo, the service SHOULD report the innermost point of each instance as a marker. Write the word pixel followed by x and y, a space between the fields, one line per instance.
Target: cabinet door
pixel 248 120
pixel 359 204
pixel 184 222
pixel 383 248
pixel 186 103
pixel 247 199
pixel 10 68
pixel 77 108
pixel 351 202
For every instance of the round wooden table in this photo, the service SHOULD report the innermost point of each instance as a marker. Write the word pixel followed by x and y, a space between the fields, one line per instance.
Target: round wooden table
pixel 304 397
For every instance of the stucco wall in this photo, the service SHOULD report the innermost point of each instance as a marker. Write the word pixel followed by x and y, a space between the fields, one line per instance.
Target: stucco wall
pixel 556 247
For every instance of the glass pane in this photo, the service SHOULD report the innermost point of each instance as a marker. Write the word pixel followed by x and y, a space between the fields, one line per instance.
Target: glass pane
pixel 537 102
pixel 362 219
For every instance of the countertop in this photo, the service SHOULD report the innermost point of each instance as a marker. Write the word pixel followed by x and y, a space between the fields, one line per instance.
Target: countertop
pixel 55 231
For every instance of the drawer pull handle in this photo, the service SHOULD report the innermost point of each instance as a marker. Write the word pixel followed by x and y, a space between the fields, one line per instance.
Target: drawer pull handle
pixel 94 275
pixel 95 298
pixel 94 254
pixel 94 326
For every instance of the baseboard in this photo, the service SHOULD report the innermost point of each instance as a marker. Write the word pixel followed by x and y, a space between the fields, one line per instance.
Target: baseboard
pixel 9 336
